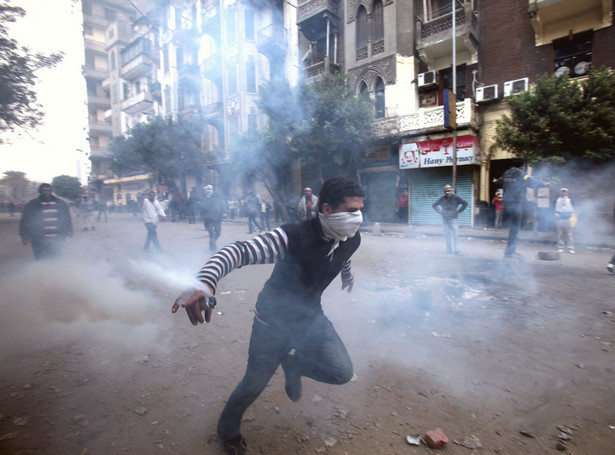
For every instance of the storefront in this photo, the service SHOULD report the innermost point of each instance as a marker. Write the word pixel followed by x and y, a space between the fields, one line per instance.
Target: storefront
pixel 128 190
pixel 429 164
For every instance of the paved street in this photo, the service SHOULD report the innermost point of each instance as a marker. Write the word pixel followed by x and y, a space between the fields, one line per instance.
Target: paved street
pixel 507 354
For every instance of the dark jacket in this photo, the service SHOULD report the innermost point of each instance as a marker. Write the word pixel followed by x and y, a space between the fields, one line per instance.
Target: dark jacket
pixel 514 182
pixel 297 282
pixel 38 220
pixel 450 207
pixel 212 208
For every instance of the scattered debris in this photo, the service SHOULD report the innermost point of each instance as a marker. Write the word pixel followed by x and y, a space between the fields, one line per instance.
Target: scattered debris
pixel 436 439
pixel 470 442
pixel 141 411
pixel 527 434
pixel 413 440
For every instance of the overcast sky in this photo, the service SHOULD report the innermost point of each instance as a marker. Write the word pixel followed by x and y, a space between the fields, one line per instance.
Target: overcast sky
pixel 52 26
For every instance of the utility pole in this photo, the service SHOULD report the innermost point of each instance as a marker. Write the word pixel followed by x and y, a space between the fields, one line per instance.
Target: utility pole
pixel 454 106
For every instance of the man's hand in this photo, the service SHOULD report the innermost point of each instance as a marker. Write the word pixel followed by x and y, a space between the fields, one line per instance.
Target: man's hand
pixel 195 302
pixel 348 284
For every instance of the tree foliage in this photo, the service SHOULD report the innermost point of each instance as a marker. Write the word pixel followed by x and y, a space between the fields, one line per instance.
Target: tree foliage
pixel 561 119
pixel 17 183
pixel 67 187
pixel 18 66
pixel 170 148
pixel 324 124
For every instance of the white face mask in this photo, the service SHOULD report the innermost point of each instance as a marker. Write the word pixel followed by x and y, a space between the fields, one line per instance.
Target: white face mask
pixel 342 225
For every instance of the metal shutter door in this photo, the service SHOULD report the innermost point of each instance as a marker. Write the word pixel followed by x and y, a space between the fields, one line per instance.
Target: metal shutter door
pixel 426 188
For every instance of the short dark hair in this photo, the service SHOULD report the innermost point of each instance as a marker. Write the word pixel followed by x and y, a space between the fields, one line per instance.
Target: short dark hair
pixel 336 189
pixel 518 162
pixel 44 185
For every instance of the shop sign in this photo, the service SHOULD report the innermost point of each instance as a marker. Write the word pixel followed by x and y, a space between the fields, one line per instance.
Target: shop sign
pixel 379 153
pixel 439 153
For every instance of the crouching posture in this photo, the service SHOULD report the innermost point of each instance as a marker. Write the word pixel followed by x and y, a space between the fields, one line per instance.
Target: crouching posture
pixel 289 328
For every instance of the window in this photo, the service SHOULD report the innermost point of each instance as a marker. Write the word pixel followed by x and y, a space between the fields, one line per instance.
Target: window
pixel 230 26
pixel 572 55
pixel 378 22
pixel 112 57
pixel 362 30
pixel 447 82
pixel 363 91
pixel 251 75
pixel 249 21
pixel 179 57
pixel 178 18
pixel 379 91
pixel 165 58
pixel 125 91
pixel 109 14
pixel 232 78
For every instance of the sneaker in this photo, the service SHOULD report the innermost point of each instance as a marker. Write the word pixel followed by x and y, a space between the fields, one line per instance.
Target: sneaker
pixel 611 268
pixel 292 386
pixel 571 251
pixel 236 446
pixel 457 253
pixel 512 255
pixel 560 250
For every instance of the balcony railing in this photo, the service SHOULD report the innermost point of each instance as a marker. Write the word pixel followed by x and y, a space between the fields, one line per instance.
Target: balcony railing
pixel 274 35
pixel 320 68
pixel 433 118
pixel 311 8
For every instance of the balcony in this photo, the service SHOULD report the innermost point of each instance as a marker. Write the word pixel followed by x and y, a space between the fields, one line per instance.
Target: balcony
pixel 99 100
pixel 99 74
pixel 272 41
pixel 384 127
pixel 431 119
pixel 136 59
pixel 211 21
pixel 317 70
pixel 310 9
pixel 189 76
pixel 553 19
pixel 141 102
pixel 434 40
pixel 211 68
pixel 98 128
pixel 212 109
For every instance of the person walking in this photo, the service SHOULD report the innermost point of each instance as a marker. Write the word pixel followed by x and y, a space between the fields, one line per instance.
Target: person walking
pixel 212 210
pixel 253 208
pixel 86 213
pixel 151 211
pixel 45 223
pixel 264 213
pixel 563 214
pixel 101 208
pixel 514 182
pixel 498 203
pixel 611 265
pixel 289 328
pixel 450 206
pixel 308 205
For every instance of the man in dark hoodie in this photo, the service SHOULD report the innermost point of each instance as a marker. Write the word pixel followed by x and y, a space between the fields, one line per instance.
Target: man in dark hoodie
pixel 290 328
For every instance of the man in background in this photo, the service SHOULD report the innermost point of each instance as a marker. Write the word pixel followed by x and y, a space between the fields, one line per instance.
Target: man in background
pixel 308 205
pixel 151 211
pixel 45 223
pixel 212 210
pixel 450 206
pixel 515 182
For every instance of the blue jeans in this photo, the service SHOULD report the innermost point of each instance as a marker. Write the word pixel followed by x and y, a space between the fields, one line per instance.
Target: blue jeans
pixel 152 237
pixel 451 234
pixel 319 354
pixel 514 213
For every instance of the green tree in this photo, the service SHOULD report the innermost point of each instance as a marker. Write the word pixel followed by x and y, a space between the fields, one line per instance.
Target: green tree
pixel 337 126
pixel 67 187
pixel 561 119
pixel 164 146
pixel 18 66
pixel 17 183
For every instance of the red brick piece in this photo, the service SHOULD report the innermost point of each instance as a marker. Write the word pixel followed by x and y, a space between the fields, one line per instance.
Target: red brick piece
pixel 436 438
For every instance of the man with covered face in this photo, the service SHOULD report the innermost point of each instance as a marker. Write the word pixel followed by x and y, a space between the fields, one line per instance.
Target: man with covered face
pixel 450 206
pixel 45 223
pixel 289 328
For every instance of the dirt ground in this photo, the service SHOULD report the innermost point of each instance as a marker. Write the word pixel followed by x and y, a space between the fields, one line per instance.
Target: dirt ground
pixel 505 358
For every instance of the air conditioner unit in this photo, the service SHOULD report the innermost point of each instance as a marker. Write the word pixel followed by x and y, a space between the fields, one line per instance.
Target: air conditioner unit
pixel 487 93
pixel 515 87
pixel 428 79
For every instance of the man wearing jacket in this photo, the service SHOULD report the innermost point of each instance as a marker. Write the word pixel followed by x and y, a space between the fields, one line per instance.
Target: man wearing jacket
pixel 45 223
pixel 450 206
pixel 213 210
pixel 290 328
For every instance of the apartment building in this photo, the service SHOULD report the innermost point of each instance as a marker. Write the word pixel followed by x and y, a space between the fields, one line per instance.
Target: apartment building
pixel 401 53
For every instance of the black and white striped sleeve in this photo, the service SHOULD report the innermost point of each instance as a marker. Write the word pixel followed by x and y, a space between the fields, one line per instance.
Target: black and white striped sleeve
pixel 266 248
pixel 346 272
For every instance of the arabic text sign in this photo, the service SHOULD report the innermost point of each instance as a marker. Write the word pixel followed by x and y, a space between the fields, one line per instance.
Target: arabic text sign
pixel 439 153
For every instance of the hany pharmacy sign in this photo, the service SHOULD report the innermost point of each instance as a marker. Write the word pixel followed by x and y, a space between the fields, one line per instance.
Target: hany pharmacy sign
pixel 439 153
